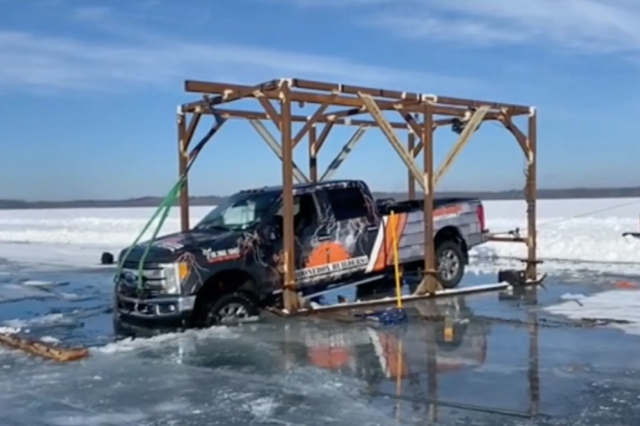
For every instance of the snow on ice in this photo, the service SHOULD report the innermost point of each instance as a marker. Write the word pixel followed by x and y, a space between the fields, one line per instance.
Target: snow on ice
pixel 570 235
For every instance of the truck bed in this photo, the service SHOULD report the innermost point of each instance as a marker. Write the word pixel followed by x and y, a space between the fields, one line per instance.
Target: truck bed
pixel 458 215
pixel 386 205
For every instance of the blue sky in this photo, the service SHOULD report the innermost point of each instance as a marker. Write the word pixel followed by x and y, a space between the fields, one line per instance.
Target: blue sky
pixel 89 89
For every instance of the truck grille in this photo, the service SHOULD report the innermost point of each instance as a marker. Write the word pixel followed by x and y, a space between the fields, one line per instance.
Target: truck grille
pixel 153 277
pixel 135 293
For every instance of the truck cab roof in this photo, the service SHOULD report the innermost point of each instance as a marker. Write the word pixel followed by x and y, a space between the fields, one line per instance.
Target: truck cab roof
pixel 303 188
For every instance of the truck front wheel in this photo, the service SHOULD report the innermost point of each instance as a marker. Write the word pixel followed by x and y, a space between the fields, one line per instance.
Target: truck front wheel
pixel 450 262
pixel 229 309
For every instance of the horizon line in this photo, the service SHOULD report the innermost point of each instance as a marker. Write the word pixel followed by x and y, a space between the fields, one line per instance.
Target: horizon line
pixel 405 192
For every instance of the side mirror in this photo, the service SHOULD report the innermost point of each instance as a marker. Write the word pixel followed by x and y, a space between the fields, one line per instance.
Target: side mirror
pixel 270 233
pixel 273 230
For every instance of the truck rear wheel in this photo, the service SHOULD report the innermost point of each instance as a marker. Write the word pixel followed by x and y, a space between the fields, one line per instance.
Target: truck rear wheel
pixel 450 262
pixel 230 309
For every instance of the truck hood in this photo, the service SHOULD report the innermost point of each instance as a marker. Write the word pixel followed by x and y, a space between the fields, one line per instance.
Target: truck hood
pixel 168 248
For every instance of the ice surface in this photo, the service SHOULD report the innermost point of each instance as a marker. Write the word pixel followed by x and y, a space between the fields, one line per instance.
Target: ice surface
pixel 53 289
pixel 617 305
pixel 200 377
pixel 264 373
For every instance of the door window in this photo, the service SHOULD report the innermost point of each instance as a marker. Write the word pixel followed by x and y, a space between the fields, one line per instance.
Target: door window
pixel 349 203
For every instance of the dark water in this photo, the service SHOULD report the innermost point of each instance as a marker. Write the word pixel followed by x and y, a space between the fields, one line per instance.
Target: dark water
pixel 494 361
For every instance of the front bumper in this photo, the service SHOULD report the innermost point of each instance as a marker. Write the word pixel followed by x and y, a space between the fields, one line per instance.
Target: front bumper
pixel 157 312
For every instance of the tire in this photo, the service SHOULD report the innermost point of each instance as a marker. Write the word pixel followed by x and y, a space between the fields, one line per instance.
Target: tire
pixel 232 303
pixel 449 254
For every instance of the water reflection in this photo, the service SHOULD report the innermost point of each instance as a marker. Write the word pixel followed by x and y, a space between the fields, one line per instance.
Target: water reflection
pixel 420 370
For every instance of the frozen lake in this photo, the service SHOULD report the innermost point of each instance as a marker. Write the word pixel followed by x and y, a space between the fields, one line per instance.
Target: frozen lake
pixel 572 234
pixel 319 373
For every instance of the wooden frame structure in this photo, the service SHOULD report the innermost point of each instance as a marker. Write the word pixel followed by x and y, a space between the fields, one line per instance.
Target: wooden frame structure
pixel 340 104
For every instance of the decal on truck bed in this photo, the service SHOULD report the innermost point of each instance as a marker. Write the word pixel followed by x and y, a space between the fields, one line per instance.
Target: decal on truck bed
pixel 447 212
pixel 382 252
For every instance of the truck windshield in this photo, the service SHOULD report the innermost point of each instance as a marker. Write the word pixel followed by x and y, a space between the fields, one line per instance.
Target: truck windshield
pixel 239 212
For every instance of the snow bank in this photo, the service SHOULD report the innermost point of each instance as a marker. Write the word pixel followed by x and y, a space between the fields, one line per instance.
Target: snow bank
pixel 572 234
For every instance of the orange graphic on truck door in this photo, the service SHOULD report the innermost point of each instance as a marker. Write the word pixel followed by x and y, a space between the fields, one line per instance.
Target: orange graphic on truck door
pixel 325 253
pixel 330 259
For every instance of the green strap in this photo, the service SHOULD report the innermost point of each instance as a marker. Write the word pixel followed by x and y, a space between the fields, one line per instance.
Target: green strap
pixel 162 210
pixel 168 202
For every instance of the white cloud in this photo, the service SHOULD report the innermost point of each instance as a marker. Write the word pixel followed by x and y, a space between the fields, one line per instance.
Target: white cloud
pixel 132 57
pixel 589 26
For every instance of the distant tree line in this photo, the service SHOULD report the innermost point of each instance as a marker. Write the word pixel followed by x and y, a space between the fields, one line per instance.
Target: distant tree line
pixel 213 199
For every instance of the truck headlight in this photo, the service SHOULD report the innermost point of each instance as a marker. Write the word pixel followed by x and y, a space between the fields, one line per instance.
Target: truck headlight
pixel 174 274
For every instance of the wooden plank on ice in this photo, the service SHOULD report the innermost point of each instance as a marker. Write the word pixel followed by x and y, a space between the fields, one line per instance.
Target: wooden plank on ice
pixel 45 350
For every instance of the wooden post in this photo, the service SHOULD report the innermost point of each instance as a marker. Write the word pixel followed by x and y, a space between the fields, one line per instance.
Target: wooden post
pixel 313 155
pixel 532 195
pixel 411 142
pixel 429 283
pixel 183 145
pixel 290 298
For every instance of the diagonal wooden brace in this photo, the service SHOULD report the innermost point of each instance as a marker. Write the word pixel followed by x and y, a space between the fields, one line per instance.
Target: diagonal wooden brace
pixel 311 121
pixel 469 128
pixel 344 152
pixel 383 123
pixel 277 149
pixel 521 138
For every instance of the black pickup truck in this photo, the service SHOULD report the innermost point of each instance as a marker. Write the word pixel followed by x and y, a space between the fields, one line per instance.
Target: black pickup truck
pixel 229 265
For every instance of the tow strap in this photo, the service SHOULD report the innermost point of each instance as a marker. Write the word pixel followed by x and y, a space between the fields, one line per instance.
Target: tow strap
pixel 165 206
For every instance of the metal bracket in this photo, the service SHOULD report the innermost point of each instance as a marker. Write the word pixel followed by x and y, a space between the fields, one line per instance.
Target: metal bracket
pixel 469 128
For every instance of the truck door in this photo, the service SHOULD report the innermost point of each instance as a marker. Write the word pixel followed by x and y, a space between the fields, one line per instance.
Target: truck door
pixel 308 229
pixel 349 230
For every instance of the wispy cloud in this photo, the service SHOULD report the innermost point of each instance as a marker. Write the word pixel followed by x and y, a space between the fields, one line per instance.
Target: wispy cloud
pixel 138 58
pixel 587 26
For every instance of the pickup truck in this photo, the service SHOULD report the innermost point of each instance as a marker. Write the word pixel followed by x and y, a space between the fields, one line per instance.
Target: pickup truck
pixel 229 265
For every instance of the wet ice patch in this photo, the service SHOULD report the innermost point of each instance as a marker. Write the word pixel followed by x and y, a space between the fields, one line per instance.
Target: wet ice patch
pixel 571 296
pixel 186 337
pixel 99 419
pixel 616 305
pixel 41 321
pixel 39 283
pixel 263 408
pixel 15 292
pixel 73 296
